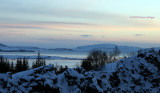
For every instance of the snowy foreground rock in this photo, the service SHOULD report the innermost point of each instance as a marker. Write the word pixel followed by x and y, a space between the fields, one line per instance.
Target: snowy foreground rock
pixel 140 74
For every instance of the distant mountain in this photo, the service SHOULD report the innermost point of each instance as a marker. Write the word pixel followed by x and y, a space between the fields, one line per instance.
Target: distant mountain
pixel 5 48
pixel 2 45
pixel 107 48
pixel 80 49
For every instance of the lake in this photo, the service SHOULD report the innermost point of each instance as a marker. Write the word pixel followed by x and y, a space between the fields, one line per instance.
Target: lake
pixel 69 63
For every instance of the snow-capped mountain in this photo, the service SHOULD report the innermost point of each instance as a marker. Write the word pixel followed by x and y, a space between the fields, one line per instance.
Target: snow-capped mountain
pixel 2 45
pixel 140 73
pixel 107 48
pixel 5 48
pixel 85 49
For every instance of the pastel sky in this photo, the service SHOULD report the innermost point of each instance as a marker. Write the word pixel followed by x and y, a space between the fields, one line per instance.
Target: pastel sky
pixel 71 23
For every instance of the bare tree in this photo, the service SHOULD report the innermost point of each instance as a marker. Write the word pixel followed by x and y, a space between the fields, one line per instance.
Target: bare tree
pixel 95 60
pixel 116 51
pixel 113 55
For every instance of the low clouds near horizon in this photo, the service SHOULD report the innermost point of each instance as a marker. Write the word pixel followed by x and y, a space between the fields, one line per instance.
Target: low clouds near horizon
pixel 86 35
pixel 139 34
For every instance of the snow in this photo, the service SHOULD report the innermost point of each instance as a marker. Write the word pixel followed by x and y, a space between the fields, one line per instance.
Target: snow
pixel 139 73
pixel 111 67
pixel 107 48
pixel 81 49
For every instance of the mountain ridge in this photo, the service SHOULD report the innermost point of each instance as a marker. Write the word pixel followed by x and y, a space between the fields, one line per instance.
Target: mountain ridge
pixel 108 47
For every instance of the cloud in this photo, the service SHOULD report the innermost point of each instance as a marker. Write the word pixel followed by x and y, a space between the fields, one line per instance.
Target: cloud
pixel 70 10
pixel 41 25
pixel 68 23
pixel 139 34
pixel 34 13
pixel 102 36
pixel 21 27
pixel 86 35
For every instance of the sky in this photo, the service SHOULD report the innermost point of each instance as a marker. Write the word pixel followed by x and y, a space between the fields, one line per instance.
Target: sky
pixel 72 23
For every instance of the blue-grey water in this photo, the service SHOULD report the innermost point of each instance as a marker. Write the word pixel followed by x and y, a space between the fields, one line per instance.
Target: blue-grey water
pixel 69 63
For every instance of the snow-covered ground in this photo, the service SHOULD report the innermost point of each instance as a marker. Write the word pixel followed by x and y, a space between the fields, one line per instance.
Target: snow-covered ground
pixel 110 67
pixel 140 73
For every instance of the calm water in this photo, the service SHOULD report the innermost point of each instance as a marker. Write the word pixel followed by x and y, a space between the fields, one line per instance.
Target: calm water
pixel 69 63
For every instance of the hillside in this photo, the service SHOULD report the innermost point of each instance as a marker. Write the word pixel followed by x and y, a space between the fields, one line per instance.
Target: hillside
pixel 107 48
pixel 82 49
pixel 5 48
pixel 140 73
